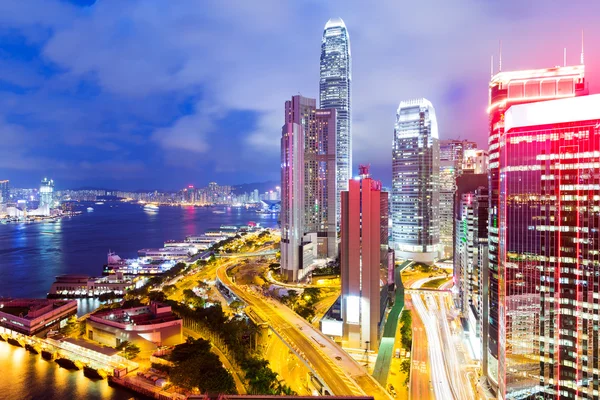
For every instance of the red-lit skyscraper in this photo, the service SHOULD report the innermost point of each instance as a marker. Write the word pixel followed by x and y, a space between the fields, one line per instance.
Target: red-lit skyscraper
pixel 550 202
pixel 519 254
pixel 360 258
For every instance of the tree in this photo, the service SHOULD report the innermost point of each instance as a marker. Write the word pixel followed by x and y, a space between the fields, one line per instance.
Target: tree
pixel 311 295
pixel 406 329
pixel 305 311
pixel 285 390
pixel 291 298
pixel 189 349
pixel 128 350
pixel 261 379
pixel 236 305
pixel 157 296
pixel 169 289
pixel 196 367
pixel 405 367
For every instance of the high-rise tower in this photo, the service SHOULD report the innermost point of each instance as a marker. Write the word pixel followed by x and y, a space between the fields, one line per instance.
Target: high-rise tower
pixel 308 186
pixel 522 252
pixel 549 247
pixel 360 259
pixel 4 191
pixel 452 157
pixel 46 192
pixel 335 86
pixel 415 182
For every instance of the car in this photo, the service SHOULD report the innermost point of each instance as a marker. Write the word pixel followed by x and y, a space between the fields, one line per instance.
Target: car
pixel 338 358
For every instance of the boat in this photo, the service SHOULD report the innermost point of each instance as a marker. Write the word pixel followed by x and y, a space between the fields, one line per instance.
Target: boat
pixel 90 209
pixel 94 373
pixel 68 364
pixel 150 207
pixel 99 203
pixel 218 212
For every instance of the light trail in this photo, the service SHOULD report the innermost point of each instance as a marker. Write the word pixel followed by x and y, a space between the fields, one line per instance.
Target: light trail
pixel 439 377
pixel 458 379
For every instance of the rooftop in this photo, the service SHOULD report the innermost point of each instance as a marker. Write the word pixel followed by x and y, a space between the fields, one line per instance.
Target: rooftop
pixel 508 76
pixel 145 315
pixel 572 109
pixel 31 308
pixel 335 23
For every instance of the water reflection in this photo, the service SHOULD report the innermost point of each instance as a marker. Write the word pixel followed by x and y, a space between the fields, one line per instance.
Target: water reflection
pixel 30 259
pixel 28 376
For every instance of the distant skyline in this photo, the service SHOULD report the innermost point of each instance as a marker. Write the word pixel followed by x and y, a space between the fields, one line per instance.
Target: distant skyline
pixel 139 94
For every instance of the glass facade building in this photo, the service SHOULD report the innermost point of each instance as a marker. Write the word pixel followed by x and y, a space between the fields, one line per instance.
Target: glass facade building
pixel 335 86
pixel 308 185
pixel 452 158
pixel 525 296
pixel 415 182
pixel 4 191
pixel 550 201
pixel 46 192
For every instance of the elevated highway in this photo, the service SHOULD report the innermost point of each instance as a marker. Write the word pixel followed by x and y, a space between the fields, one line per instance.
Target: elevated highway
pixel 340 374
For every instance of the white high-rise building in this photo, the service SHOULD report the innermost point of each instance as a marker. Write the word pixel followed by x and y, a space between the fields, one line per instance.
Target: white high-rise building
pixel 46 192
pixel 335 92
pixel 415 182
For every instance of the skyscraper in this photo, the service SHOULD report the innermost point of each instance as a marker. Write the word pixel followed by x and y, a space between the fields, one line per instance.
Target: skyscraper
pixel 360 260
pixel 415 182
pixel 551 186
pixel 308 186
pixel 470 253
pixel 4 191
pixel 335 86
pixel 452 157
pixel 526 234
pixel 46 192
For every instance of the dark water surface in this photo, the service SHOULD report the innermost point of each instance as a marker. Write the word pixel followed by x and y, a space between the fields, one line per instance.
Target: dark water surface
pixel 32 254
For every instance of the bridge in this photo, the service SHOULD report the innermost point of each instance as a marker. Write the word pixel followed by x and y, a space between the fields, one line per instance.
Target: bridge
pixel 262 253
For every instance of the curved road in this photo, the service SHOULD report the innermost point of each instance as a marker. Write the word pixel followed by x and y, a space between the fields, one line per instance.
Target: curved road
pixel 311 348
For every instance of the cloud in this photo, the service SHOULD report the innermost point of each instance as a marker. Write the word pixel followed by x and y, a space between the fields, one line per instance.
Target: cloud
pixel 189 132
pixel 122 73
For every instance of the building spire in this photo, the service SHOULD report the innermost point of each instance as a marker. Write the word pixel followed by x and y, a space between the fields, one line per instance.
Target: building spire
pixel 492 67
pixel 500 58
pixel 581 60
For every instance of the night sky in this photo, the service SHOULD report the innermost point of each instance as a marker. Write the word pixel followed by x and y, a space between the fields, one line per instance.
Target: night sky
pixel 160 94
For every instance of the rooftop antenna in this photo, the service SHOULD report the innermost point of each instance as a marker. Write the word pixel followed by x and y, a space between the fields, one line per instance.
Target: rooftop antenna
pixel 565 57
pixel 500 58
pixel 581 61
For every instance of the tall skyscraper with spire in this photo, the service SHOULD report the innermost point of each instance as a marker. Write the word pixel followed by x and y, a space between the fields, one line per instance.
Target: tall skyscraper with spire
pixel 335 92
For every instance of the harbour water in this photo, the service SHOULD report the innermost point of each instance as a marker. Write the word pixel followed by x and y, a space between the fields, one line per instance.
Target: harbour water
pixel 29 376
pixel 32 254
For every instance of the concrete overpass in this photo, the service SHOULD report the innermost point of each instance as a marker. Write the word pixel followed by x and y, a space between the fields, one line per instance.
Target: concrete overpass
pixel 336 370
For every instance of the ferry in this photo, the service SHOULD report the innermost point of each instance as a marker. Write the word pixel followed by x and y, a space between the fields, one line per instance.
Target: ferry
pixel 136 266
pixel 90 209
pixel 150 207
pixel 99 203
